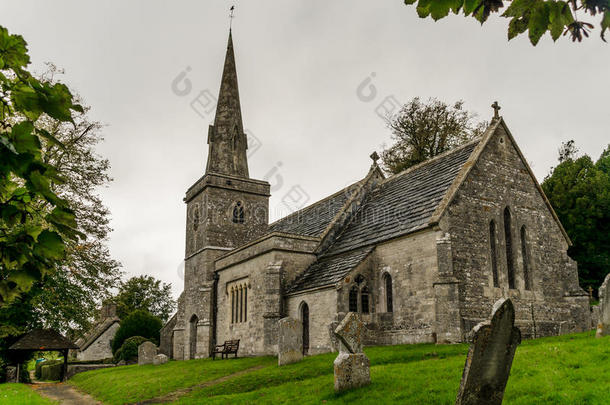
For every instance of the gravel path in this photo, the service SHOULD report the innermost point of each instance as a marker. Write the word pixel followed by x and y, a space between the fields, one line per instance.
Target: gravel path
pixel 64 393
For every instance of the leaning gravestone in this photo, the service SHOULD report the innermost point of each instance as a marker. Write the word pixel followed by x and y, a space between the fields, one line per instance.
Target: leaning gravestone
pixel 492 348
pixel 290 341
pixel 352 367
pixel 603 324
pixel 146 353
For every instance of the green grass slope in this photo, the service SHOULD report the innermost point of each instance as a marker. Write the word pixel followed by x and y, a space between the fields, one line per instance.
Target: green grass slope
pixel 21 394
pixel 573 369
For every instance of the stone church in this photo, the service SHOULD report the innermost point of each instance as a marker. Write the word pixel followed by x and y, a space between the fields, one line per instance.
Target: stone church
pixel 422 254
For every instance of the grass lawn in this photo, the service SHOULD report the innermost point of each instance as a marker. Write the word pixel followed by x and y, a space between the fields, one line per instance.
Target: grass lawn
pixel 21 394
pixel 136 383
pixel 572 369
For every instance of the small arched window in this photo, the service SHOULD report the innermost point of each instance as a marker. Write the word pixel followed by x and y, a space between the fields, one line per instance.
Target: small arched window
pixel 493 253
pixel 508 239
pixel 526 260
pixel 364 300
pixel 238 213
pixel 353 299
pixel 387 281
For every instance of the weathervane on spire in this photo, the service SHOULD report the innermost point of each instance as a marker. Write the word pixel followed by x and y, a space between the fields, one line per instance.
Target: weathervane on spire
pixel 232 9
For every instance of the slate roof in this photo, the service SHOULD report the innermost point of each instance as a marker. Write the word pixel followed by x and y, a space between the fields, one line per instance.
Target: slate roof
pixel 399 205
pixel 43 339
pixel 404 202
pixel 313 220
pixel 329 270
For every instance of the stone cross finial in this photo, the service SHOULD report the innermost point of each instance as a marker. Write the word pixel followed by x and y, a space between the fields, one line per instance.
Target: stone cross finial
pixel 496 108
pixel 375 157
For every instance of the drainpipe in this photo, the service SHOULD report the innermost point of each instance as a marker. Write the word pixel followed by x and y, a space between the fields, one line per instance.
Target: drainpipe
pixel 214 312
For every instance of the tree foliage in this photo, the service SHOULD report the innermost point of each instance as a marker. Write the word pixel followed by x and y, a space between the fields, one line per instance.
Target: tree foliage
pixel 138 323
pixel 534 16
pixel 145 293
pixel 579 191
pixel 35 223
pixel 424 130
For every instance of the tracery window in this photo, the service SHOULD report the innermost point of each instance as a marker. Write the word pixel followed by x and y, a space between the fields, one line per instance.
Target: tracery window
pixel 238 213
pixel 526 260
pixel 389 304
pixel 239 302
pixel 353 299
pixel 364 300
pixel 510 263
pixel 493 253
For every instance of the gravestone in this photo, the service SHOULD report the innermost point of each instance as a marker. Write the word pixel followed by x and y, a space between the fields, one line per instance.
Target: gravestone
pixel 352 367
pixel 11 374
pixel 492 348
pixel 290 341
pixel 160 359
pixel 146 353
pixel 334 342
pixel 603 324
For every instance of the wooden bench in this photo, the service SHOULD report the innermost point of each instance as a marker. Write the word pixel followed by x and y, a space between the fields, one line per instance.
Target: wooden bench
pixel 228 347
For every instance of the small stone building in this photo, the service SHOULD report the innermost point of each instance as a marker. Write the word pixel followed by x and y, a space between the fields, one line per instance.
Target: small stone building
pixel 422 254
pixel 96 344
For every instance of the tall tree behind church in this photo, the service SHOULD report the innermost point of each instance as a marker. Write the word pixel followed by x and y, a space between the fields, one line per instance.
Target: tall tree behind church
pixel 422 130
pixel 579 191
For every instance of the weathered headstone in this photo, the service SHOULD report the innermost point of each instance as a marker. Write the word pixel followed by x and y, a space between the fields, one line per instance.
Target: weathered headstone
pixel 334 342
pixel 11 374
pixel 352 367
pixel 160 359
pixel 146 353
pixel 603 324
pixel 492 348
pixel 290 341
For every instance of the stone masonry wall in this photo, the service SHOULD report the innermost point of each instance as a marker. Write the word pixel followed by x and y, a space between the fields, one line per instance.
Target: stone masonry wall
pixel 322 311
pixel 100 349
pixel 264 275
pixel 555 303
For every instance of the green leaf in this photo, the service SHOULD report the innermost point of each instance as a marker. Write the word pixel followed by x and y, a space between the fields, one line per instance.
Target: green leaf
pixel 471 5
pixel 409 2
pixel 423 8
pixel 520 8
pixel 517 26
pixel 25 100
pixel 13 50
pixel 556 24
pixel 605 24
pixel 440 8
pixel 538 23
pixel 7 143
pixel 24 139
pixel 47 135
pixel 63 216
pixel 50 245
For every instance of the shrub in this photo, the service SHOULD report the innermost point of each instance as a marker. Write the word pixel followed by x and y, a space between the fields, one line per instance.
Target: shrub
pixel 138 323
pixel 129 349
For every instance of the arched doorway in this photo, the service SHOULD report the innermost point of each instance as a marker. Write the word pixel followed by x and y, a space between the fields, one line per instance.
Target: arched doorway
pixel 305 320
pixel 193 336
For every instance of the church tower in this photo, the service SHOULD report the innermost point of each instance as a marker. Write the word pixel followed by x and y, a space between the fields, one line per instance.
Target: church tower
pixel 225 209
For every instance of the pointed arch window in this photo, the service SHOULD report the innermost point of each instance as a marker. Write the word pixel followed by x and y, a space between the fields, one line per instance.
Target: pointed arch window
pixel 196 218
pixel 353 299
pixel 508 238
pixel 493 253
pixel 238 213
pixel 389 304
pixel 526 260
pixel 364 300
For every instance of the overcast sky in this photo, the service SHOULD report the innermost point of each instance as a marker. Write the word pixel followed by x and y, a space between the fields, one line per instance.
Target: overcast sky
pixel 305 73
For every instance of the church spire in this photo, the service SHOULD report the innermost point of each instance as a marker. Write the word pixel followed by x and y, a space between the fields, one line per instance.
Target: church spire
pixel 226 138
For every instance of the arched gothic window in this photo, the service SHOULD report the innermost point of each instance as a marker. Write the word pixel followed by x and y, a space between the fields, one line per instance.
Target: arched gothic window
pixel 364 300
pixel 353 299
pixel 493 253
pixel 387 281
pixel 196 218
pixel 508 238
pixel 526 260
pixel 238 213
pixel 239 303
